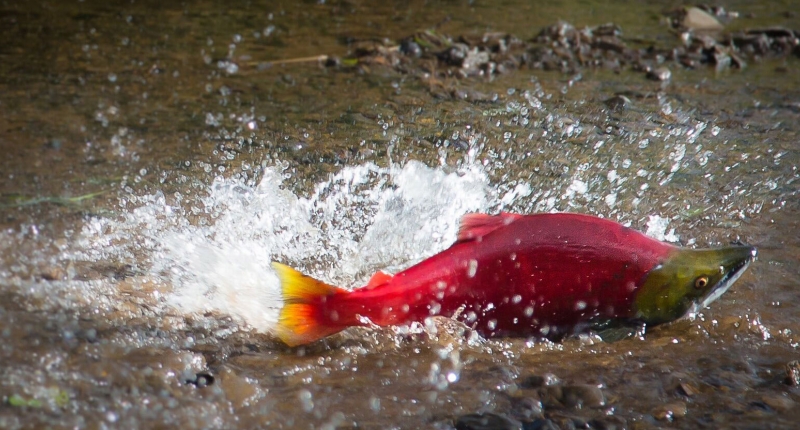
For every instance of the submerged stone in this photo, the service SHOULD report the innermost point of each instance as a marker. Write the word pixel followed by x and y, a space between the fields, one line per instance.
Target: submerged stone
pixel 583 395
pixel 698 19
pixel 670 411
pixel 487 421
pixel 793 373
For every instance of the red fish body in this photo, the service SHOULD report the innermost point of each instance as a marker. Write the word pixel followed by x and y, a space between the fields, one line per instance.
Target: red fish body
pixel 540 275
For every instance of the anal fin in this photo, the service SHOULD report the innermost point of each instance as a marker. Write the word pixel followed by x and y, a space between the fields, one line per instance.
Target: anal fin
pixel 379 278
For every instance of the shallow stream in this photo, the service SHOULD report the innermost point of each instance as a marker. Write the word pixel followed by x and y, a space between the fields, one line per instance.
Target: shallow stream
pixel 154 164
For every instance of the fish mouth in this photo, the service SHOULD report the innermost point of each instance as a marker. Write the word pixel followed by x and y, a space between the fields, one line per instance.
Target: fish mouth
pixel 735 262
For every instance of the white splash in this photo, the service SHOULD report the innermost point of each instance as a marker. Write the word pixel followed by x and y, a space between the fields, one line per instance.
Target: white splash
pixel 215 251
pixel 657 229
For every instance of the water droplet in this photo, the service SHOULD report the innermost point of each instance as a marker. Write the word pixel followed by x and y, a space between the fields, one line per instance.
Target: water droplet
pixel 306 400
pixel 473 268
pixel 375 404
pixel 112 417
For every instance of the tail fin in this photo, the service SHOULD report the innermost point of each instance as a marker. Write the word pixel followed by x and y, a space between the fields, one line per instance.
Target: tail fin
pixel 299 321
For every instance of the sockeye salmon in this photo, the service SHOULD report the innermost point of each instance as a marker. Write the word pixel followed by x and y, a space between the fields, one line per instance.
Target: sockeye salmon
pixel 541 275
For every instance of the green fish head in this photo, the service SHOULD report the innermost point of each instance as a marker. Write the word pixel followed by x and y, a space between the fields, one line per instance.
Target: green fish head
pixel 689 280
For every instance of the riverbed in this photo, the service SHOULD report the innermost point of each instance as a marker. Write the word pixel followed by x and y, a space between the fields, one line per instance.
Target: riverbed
pixel 157 158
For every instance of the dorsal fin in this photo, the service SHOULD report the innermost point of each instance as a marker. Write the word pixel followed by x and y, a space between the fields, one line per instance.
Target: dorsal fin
pixel 476 225
pixel 380 277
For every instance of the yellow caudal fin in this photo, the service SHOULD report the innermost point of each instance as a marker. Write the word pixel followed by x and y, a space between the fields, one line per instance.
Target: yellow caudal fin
pixel 299 321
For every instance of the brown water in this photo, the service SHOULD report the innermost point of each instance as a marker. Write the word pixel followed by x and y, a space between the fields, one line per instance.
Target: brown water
pixel 147 184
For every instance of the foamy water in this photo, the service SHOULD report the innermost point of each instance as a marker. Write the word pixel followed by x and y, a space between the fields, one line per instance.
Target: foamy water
pixel 214 253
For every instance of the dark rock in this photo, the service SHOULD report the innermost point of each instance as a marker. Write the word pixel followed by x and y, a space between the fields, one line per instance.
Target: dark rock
pixel 333 61
pixel 793 373
pixel 537 381
pixel 552 396
pixel 659 74
pixel 411 48
pixel 670 411
pixel 486 421
pixel 526 408
pixel 583 395
pixel 618 103
pixel 540 424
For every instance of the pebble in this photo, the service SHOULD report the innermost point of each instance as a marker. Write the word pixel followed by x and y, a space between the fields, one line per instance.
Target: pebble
pixel 681 383
pixel 537 381
pixel 583 395
pixel 659 74
pixel 551 396
pixel 686 389
pixel 541 424
pixel 526 408
pixel 698 19
pixel 618 102
pixel 793 373
pixel 409 47
pixel 53 273
pixel 670 411
pixel 487 421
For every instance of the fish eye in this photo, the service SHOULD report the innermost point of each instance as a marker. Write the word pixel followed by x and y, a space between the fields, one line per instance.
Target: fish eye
pixel 701 282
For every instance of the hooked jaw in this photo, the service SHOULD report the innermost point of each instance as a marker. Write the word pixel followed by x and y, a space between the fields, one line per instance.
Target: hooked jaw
pixel 738 258
pixel 689 280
